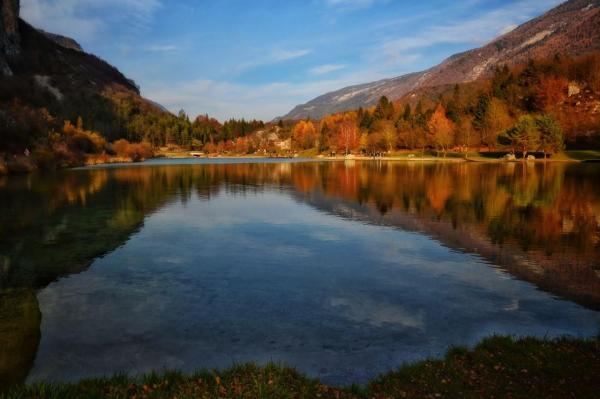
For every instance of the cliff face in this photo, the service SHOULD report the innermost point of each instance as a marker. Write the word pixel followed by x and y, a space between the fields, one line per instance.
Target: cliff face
pixel 9 34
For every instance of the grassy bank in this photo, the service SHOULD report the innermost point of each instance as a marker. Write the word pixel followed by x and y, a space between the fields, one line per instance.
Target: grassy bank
pixel 499 367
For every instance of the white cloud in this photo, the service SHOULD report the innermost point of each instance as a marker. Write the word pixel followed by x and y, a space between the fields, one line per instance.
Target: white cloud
pixel 224 99
pixel 160 48
pixel 88 19
pixel 350 4
pixel 325 69
pixel 284 55
pixel 477 31
pixel 274 57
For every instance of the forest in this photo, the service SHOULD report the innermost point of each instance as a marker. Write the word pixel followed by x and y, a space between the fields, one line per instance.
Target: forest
pixel 542 107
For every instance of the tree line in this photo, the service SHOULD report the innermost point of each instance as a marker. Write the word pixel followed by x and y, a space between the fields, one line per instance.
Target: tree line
pixel 541 106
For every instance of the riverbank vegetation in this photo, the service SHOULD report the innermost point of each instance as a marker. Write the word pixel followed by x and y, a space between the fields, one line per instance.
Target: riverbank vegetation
pixel 542 107
pixel 499 367
pixel 538 109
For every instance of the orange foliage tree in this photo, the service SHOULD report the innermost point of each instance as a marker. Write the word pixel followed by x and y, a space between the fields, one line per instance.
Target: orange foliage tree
pixel 304 134
pixel 441 130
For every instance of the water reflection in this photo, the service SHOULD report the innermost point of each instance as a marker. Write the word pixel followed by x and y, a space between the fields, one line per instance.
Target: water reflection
pixel 223 250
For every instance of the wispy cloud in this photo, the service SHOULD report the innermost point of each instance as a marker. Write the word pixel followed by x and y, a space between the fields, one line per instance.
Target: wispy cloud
pixel 88 19
pixel 351 4
pixel 162 48
pixel 227 99
pixel 274 57
pixel 476 31
pixel 284 55
pixel 325 69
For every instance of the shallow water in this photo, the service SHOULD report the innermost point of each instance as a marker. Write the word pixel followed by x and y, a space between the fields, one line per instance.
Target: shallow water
pixel 343 270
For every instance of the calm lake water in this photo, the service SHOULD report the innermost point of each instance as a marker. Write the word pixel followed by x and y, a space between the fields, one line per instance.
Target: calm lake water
pixel 344 270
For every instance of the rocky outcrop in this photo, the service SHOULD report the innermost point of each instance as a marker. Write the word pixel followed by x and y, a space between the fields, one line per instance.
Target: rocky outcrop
pixel 63 41
pixel 9 34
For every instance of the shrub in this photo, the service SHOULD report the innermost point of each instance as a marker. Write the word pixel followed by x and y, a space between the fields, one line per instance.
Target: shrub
pixel 134 151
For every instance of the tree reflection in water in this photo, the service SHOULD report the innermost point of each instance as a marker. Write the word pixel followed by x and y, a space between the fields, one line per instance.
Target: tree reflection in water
pixel 539 222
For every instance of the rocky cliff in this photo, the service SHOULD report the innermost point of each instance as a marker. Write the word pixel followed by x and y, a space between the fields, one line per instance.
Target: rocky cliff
pixel 9 34
pixel 62 41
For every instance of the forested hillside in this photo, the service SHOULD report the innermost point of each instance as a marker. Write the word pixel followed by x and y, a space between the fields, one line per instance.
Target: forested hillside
pixel 542 106
pixel 60 106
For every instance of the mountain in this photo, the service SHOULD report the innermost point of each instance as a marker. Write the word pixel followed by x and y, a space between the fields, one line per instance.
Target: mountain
pixel 47 79
pixel 572 28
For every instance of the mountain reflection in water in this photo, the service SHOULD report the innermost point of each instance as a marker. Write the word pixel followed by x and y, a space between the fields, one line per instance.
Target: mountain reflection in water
pixel 538 223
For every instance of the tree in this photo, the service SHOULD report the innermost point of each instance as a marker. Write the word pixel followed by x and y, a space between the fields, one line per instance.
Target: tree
pixel 407 115
pixel 497 120
pixel 551 134
pixel 365 119
pixel 348 135
pixel 363 145
pixel 551 92
pixel 524 136
pixel 490 118
pixel 387 131
pixel 384 109
pixel 304 134
pixel 441 129
pixel 465 134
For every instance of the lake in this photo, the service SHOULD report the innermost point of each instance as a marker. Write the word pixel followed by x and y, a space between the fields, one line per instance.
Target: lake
pixel 344 270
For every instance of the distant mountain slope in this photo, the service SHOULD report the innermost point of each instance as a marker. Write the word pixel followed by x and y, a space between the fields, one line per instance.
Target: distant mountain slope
pixel 571 28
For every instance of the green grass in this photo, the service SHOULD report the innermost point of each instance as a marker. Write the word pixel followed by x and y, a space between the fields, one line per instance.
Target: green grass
pixel 583 155
pixel 499 367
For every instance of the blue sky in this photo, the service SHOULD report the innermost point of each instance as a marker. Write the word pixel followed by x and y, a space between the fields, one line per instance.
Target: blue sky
pixel 258 59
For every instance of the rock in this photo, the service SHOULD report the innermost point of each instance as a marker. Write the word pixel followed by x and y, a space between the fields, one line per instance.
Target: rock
pixel 510 157
pixel 530 157
pixel 574 89
pixel 63 41
pixel 411 155
pixel 10 40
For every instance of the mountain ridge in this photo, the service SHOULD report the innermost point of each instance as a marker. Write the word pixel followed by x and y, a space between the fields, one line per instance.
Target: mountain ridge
pixel 571 28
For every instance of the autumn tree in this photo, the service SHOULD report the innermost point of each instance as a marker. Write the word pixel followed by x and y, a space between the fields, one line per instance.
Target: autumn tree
pixel 490 118
pixel 441 130
pixel 551 92
pixel 387 131
pixel 465 134
pixel 348 135
pixel 304 134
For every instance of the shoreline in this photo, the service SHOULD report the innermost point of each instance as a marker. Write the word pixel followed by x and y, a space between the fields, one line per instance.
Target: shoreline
pixel 499 366
pixel 25 165
pixel 385 158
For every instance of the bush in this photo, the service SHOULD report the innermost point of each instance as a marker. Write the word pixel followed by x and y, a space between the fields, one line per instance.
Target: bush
pixel 134 151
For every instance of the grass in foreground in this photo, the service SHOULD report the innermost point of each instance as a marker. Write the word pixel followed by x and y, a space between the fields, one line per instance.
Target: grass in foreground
pixel 499 367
